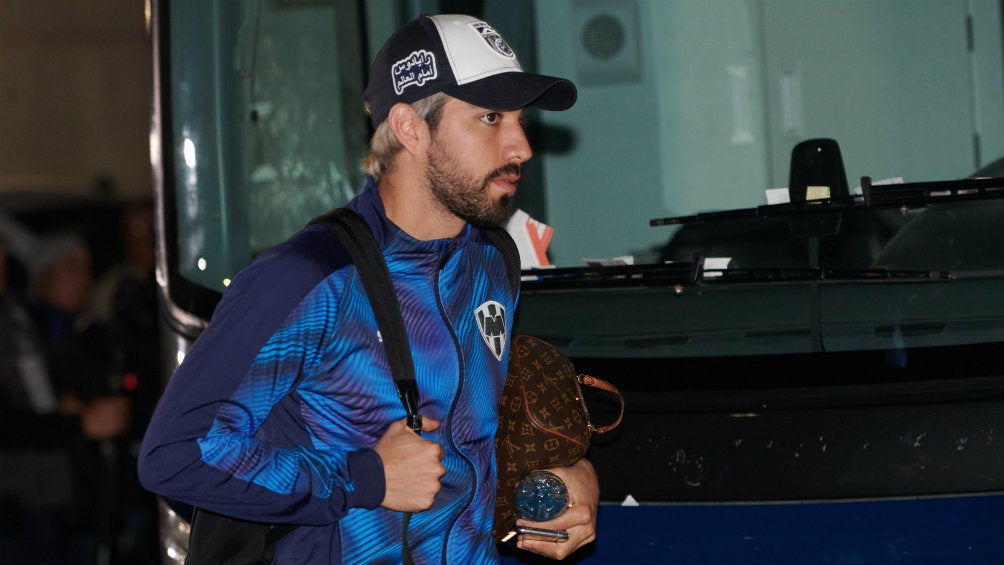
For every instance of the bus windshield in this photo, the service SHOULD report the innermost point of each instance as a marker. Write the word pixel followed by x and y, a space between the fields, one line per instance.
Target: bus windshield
pixel 684 107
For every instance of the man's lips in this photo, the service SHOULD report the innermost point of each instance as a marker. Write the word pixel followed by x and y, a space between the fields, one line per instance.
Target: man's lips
pixel 508 182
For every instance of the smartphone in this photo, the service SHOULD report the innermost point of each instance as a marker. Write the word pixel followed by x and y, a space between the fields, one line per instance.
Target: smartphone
pixel 554 534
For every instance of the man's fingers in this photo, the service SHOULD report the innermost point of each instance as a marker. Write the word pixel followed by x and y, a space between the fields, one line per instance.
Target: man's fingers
pixel 428 424
pixel 412 466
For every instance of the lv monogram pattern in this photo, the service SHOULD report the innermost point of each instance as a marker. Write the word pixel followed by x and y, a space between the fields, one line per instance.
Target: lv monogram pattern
pixel 543 421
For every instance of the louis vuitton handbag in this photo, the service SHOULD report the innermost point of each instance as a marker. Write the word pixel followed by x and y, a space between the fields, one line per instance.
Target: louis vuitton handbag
pixel 543 420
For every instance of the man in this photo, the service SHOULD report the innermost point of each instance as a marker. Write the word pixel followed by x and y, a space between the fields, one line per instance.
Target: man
pixel 285 410
pixel 51 439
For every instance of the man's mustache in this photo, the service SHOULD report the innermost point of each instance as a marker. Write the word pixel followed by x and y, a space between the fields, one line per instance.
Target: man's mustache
pixel 505 170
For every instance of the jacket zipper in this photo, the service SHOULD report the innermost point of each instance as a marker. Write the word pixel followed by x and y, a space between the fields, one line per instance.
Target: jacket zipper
pixel 472 472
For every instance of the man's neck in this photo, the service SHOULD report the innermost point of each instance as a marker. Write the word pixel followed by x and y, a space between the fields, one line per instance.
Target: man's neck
pixel 413 208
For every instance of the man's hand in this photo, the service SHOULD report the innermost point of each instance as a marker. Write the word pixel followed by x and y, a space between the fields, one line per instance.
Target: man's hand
pixel 579 520
pixel 105 417
pixel 412 466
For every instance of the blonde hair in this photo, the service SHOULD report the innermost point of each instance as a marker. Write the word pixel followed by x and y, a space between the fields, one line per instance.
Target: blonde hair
pixel 384 145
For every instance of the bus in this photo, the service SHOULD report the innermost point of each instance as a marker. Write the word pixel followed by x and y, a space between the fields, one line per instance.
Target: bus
pixel 775 225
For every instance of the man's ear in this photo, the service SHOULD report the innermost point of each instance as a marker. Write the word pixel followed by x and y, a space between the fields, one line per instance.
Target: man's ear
pixel 408 127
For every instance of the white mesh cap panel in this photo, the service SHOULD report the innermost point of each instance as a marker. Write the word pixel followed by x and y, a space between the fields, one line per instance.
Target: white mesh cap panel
pixel 474 49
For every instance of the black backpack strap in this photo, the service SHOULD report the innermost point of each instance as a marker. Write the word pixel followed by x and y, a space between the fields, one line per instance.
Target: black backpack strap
pixel 507 247
pixel 273 534
pixel 358 240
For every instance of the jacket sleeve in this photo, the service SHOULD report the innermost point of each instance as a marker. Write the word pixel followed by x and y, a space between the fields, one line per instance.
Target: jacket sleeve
pixel 208 444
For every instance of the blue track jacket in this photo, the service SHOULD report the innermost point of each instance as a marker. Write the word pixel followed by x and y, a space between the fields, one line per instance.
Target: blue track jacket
pixel 275 410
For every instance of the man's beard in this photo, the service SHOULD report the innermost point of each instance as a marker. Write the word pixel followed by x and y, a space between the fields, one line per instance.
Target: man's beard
pixel 465 196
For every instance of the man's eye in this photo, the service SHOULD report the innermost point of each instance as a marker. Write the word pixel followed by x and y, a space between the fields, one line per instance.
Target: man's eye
pixel 490 118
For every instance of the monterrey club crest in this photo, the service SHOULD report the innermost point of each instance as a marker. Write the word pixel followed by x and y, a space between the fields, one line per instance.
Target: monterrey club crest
pixel 491 322
pixel 493 39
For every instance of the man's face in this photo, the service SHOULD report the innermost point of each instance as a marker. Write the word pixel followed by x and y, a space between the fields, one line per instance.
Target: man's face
pixel 475 162
pixel 66 283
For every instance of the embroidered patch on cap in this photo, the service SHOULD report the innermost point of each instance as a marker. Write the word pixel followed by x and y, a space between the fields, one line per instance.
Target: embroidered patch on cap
pixel 415 69
pixel 494 39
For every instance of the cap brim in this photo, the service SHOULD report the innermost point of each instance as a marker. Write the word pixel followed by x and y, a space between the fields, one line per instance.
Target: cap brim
pixel 509 91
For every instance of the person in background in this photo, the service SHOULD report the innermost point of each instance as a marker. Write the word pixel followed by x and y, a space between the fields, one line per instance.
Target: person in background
pixel 46 438
pixel 121 322
pixel 119 287
pixel 85 377
pixel 61 283
pixel 121 317
pixel 284 410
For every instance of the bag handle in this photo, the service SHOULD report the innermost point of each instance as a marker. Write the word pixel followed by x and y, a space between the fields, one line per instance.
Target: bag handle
pixel 589 380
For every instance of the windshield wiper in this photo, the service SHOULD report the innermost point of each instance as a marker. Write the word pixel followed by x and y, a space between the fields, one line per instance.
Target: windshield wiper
pixel 695 273
pixel 903 196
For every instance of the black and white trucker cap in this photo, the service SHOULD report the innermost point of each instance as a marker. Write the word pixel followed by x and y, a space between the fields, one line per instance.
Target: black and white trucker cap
pixel 460 56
